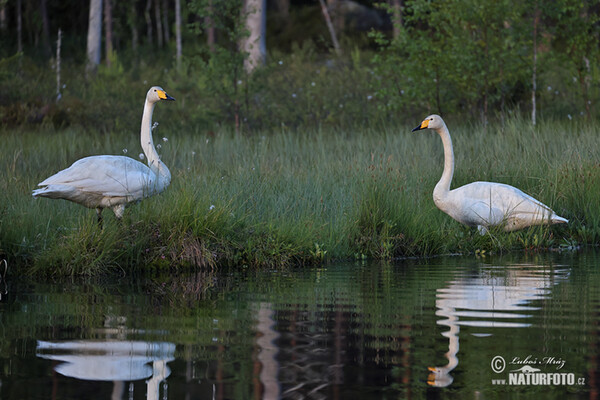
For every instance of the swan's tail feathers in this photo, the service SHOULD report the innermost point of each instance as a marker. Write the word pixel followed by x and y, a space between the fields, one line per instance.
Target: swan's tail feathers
pixel 38 192
pixel 555 219
pixel 54 191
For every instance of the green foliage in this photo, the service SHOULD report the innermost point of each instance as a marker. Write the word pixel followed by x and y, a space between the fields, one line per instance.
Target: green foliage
pixel 455 56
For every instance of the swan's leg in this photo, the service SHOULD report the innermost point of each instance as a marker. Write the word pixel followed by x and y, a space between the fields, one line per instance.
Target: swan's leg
pixel 99 214
pixel 119 210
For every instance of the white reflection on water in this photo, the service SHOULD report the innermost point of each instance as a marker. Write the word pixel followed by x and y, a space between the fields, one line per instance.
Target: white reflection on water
pixel 112 360
pixel 490 299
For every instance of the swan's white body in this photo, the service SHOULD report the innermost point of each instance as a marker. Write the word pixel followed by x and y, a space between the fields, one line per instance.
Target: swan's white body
pixel 484 204
pixel 113 181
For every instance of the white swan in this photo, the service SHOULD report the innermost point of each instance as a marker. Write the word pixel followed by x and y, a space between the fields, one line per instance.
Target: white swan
pixel 484 204
pixel 113 181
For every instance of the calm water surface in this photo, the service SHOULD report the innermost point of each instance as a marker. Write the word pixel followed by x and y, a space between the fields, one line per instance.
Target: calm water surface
pixel 438 328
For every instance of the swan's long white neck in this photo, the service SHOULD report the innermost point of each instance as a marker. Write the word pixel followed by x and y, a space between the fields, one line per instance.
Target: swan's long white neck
pixel 443 186
pixel 154 162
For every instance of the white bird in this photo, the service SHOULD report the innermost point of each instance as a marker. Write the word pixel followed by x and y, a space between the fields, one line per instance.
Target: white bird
pixel 113 181
pixel 484 204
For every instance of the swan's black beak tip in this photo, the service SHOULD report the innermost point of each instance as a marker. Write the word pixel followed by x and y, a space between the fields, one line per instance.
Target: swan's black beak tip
pixel 418 128
pixel 169 97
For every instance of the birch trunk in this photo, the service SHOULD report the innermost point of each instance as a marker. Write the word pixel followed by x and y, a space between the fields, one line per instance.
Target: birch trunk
pixel 94 37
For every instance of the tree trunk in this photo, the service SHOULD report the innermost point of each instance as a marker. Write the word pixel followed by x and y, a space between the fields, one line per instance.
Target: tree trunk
pixel 108 31
pixel 283 8
pixel 159 32
pixel 254 44
pixel 58 46
pixel 165 15
pixel 536 19
pixel 327 17
pixel 132 20
pixel 585 79
pixel 336 16
pixel 19 27
pixel 178 31
pixel 3 17
pixel 148 21
pixel 209 27
pixel 94 37
pixel 397 21
pixel 45 29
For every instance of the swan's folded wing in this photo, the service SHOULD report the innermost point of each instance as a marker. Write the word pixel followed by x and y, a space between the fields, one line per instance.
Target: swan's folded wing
pixel 105 175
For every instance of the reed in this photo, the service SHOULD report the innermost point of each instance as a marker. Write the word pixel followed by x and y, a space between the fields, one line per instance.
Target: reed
pixel 286 198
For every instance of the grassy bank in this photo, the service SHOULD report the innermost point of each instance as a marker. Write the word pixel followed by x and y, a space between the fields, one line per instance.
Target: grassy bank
pixel 284 198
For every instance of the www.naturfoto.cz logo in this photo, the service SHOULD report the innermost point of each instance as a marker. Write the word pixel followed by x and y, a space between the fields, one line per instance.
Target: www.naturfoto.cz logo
pixel 527 371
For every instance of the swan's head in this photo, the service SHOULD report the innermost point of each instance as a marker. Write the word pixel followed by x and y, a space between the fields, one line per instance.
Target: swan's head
pixel 433 121
pixel 156 94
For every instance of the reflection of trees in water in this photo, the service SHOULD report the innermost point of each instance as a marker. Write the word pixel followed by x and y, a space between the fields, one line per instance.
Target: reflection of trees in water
pixel 311 357
pixel 323 354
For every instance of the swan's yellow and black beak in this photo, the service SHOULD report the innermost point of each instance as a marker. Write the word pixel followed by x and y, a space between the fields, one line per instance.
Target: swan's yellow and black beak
pixel 164 96
pixel 424 125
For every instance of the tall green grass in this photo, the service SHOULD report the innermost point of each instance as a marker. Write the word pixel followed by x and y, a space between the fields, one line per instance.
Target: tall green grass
pixel 293 197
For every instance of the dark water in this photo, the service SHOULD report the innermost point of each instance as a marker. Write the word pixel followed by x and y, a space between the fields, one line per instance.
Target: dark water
pixel 436 328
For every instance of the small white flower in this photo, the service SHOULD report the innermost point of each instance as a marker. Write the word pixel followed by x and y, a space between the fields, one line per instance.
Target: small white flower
pixel 369 97
pixel 341 106
pixel 312 84
pixel 294 95
pixel 280 62
pixel 193 153
pixel 239 82
pixel 154 125
pixel 402 91
pixel 145 82
pixel 207 140
pixel 569 116
pixel 212 207
pixel 141 156
pixel 124 151
pixel 64 86
pixel 549 88
pixel 158 146
pixel 165 139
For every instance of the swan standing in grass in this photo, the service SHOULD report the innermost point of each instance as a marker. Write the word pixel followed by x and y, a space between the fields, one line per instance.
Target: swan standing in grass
pixel 484 204
pixel 113 181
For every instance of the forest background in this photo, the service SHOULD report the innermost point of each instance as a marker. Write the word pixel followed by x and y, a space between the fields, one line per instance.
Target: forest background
pixel 270 64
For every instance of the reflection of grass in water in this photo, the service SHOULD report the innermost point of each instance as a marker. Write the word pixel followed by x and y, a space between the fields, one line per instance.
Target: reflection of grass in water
pixel 287 198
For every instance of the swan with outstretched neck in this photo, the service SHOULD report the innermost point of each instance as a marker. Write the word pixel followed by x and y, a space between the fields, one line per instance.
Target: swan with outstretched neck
pixel 484 204
pixel 107 181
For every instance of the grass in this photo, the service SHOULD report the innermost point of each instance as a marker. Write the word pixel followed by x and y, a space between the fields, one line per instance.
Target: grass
pixel 287 198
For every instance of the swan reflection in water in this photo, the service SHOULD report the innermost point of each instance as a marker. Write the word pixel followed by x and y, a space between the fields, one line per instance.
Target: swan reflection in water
pixel 112 360
pixel 488 299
